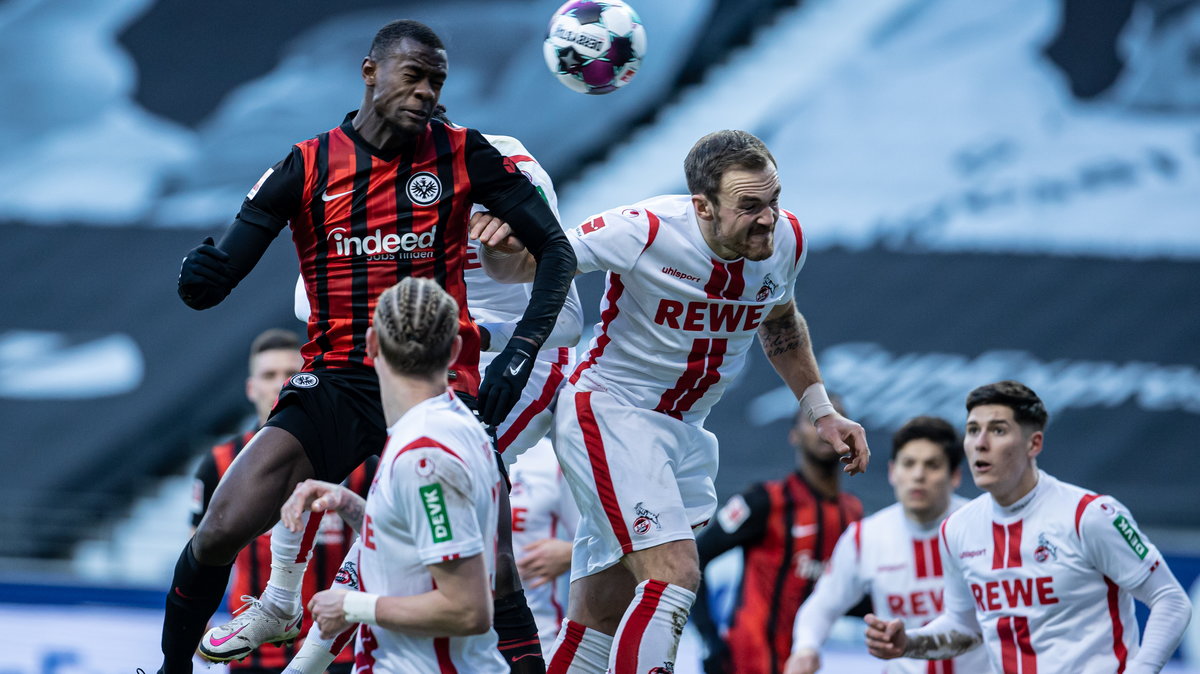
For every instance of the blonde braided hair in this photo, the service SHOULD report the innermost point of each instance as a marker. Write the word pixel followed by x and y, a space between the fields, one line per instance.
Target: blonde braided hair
pixel 416 321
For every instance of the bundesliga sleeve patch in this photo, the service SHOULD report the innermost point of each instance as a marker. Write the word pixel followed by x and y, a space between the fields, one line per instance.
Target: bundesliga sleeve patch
pixel 1132 539
pixel 258 185
pixel 733 514
pixel 435 510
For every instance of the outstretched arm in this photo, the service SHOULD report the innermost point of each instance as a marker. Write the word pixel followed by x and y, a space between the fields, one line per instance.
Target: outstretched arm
pixel 785 339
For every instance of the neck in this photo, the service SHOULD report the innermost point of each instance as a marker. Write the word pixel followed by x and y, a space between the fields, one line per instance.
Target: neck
pixel 375 129
pixel 401 393
pixel 821 477
pixel 927 516
pixel 1025 485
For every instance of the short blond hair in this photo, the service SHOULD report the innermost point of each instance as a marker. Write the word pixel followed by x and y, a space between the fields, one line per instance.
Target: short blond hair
pixel 416 321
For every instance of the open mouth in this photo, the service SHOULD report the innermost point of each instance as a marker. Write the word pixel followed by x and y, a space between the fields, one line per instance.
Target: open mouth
pixel 981 466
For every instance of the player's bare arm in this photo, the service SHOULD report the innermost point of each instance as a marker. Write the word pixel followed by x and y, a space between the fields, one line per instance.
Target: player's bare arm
pixel 785 340
pixel 460 606
pixel 939 640
pixel 317 496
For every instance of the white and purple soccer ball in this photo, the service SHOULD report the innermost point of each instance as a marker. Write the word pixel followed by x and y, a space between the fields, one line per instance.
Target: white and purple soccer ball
pixel 594 46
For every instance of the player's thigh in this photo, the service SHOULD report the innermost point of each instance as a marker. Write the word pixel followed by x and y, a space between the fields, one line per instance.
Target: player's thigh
pixel 247 499
pixel 600 600
pixel 616 460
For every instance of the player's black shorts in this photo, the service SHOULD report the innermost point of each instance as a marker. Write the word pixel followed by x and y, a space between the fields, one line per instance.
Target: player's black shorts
pixel 336 415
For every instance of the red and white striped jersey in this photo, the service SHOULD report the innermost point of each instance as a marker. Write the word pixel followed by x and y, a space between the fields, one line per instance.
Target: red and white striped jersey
pixel 1047 578
pixel 434 499
pixel 899 563
pixel 542 508
pixel 676 320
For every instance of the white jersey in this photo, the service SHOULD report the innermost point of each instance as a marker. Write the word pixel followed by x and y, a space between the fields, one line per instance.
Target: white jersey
pixel 1047 578
pixel 542 508
pixel 434 499
pixel 899 564
pixel 676 320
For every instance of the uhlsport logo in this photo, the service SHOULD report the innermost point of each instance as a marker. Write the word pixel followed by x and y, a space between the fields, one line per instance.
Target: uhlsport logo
pixel 304 380
pixel 424 188
pixel 380 246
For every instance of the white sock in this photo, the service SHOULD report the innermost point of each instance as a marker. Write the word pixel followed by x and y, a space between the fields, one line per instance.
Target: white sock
pixel 317 653
pixel 289 558
pixel 649 633
pixel 579 650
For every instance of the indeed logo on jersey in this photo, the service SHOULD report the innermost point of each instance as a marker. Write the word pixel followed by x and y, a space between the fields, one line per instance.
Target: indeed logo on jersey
pixel 708 316
pixel 380 246
pixel 997 595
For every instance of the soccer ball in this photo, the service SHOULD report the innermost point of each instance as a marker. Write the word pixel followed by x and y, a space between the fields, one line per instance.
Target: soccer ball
pixel 594 46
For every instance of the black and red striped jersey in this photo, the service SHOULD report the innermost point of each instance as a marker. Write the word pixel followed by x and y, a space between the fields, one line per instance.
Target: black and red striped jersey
pixel 331 539
pixel 787 533
pixel 363 218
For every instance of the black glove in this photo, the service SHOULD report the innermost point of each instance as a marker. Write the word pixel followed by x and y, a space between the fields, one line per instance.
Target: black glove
pixel 503 382
pixel 206 276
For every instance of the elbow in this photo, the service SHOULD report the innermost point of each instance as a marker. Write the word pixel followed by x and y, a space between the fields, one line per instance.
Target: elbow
pixel 473 620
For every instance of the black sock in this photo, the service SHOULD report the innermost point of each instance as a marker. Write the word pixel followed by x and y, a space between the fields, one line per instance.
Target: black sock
pixel 195 594
pixel 517 630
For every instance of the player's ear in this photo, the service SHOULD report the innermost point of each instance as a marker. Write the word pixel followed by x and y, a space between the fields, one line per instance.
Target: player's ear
pixel 372 343
pixel 1035 444
pixel 368 71
pixel 456 348
pixel 704 207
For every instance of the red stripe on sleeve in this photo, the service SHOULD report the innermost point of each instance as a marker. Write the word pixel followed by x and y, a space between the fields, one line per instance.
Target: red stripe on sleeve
pixel 1083 504
pixel 799 235
pixel 653 220
pixel 1118 629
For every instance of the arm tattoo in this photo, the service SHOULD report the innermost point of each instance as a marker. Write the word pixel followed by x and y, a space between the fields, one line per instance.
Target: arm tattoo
pixel 353 513
pixel 940 646
pixel 784 334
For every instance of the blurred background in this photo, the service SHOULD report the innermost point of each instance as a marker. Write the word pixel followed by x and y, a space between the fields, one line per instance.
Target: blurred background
pixel 990 190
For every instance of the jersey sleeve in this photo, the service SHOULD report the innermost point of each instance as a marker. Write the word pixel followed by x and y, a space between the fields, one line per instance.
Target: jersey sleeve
pixel 611 241
pixel 276 198
pixel 1112 541
pixel 203 486
pixel 433 493
pixel 799 253
pixel 496 182
pixel 956 595
pixel 837 591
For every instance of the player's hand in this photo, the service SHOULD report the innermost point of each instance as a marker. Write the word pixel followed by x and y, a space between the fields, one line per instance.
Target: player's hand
pixel 327 612
pixel 885 640
pixel 503 381
pixel 206 277
pixel 311 495
pixel 544 561
pixel 494 233
pixel 803 661
pixel 848 439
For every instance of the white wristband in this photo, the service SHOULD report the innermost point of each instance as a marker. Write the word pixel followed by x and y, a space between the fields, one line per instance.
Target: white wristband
pixel 815 402
pixel 360 607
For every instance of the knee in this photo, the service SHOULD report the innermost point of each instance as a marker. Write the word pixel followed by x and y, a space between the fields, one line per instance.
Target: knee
pixel 683 575
pixel 215 542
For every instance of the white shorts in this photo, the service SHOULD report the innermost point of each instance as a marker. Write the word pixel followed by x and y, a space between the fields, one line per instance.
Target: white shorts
pixel 531 418
pixel 639 477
